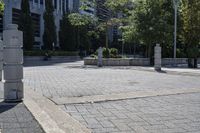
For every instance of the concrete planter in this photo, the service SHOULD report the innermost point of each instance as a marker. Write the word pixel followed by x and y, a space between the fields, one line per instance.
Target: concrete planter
pixel 119 61
pixel 140 62
pixel 134 61
pixel 170 61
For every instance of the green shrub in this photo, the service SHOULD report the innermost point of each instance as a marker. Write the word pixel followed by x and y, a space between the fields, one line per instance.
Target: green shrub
pixel 113 53
pixel 93 56
pixel 106 53
pixel 180 53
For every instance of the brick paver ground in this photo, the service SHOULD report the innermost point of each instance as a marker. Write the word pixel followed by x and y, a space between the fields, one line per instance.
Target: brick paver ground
pixel 165 114
pixel 72 80
pixel 160 114
pixel 16 118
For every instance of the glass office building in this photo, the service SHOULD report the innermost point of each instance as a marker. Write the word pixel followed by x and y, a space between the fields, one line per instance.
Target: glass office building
pixel 37 7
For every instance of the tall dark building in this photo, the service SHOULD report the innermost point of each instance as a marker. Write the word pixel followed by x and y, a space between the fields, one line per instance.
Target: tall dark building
pixel 37 7
pixel 102 12
pixel 76 5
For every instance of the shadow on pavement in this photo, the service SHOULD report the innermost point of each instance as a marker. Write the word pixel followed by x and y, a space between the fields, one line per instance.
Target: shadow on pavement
pixel 6 106
pixel 160 71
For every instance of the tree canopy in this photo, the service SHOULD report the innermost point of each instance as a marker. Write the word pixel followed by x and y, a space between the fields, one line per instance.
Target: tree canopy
pixel 1 6
pixel 190 12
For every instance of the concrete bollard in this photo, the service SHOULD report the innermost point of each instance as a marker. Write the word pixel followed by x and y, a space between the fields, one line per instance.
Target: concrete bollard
pixel 100 56
pixel 1 58
pixel 157 57
pixel 13 64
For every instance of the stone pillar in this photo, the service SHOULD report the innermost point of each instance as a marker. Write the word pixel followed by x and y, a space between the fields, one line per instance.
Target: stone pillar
pixel 13 64
pixel 157 58
pixel 100 56
pixel 1 58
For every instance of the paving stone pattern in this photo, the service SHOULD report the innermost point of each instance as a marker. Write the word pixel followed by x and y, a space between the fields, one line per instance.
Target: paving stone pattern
pixel 164 114
pixel 161 114
pixel 1 90
pixel 70 80
pixel 15 118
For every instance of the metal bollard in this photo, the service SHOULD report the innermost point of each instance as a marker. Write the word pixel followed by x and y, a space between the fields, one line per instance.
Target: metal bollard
pixel 157 58
pixel 13 64
pixel 1 58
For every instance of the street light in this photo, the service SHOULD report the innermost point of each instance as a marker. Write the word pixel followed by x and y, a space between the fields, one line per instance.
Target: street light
pixel 175 3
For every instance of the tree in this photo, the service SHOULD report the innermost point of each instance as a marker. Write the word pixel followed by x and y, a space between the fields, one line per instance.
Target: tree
pixel 1 7
pixel 152 22
pixel 191 29
pixel 119 6
pixel 49 37
pixel 26 25
pixel 67 35
pixel 82 24
pixel 116 8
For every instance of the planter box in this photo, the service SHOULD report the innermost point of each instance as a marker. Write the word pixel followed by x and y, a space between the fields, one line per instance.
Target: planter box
pixel 140 62
pixel 119 61
pixel 134 61
pixel 170 61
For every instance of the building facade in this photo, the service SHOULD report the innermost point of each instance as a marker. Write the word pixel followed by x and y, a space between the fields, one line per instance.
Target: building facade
pixel 37 7
pixel 104 14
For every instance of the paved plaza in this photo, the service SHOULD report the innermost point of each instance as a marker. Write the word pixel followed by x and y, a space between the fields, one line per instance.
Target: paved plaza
pixel 74 80
pixel 166 114
pixel 176 112
pixel 16 118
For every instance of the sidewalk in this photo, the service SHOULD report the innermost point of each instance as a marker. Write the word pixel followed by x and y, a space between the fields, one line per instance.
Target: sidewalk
pixel 36 114
pixel 16 118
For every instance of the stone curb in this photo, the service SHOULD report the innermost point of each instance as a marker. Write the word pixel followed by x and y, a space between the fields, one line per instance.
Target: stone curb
pixel 166 71
pixel 122 96
pixel 51 118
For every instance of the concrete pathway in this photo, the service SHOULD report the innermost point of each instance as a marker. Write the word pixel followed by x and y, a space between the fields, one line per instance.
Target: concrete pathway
pixel 66 80
pixel 36 114
pixel 167 102
pixel 162 114
pixel 16 118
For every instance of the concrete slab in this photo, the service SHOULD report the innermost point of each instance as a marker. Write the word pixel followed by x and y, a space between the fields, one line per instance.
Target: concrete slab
pixel 122 96
pixel 16 118
pixel 51 117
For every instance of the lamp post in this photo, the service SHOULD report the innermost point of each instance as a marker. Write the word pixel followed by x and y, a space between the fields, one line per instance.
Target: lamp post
pixel 175 3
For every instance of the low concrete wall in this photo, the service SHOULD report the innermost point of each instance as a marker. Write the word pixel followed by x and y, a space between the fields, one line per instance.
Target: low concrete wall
pixel 180 61
pixel 170 61
pixel 140 62
pixel 135 61
pixel 119 61
pixel 53 58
